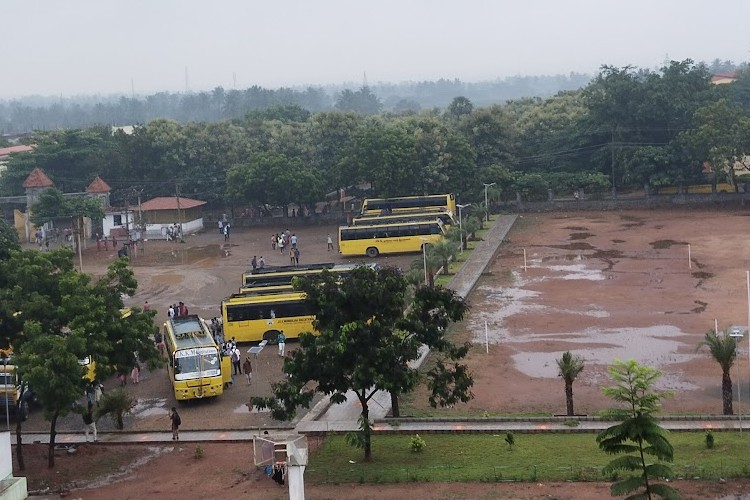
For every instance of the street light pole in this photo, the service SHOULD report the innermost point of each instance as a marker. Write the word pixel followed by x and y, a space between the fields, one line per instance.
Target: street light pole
pixel 6 379
pixel 461 225
pixel 486 204
pixel 737 334
pixel 424 257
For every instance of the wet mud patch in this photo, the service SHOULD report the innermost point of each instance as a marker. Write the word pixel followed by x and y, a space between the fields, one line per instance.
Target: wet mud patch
pixel 700 308
pixel 631 225
pixel 576 228
pixel 618 241
pixel 608 254
pixel 573 246
pixel 701 276
pixel 580 236
pixel 664 244
pixel 184 255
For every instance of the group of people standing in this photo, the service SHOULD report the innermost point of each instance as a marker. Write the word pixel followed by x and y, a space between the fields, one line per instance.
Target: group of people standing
pixel 177 310
pixel 286 242
pixel 238 367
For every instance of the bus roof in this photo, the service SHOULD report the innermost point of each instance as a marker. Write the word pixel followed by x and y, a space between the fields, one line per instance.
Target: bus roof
pixel 255 298
pixel 189 332
pixel 289 269
pixel 375 223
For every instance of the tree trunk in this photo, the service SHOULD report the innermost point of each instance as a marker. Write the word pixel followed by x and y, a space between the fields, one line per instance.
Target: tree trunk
pixel 51 449
pixel 395 411
pixel 367 431
pixel 726 393
pixel 19 441
pixel 569 397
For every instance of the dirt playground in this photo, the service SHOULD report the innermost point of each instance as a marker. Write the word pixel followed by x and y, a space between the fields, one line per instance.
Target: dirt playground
pixel 604 285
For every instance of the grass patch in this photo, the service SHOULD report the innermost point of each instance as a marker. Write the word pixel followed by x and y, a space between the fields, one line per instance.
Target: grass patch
pixel 534 457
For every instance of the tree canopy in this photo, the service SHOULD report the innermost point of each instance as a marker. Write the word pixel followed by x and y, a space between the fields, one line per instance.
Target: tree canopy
pixel 629 128
pixel 363 343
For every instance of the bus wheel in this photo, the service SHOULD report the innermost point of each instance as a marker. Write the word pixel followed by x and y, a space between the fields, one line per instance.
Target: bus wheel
pixel 372 252
pixel 271 336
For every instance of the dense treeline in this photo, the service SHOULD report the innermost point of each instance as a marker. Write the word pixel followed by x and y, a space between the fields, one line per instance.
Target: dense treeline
pixel 45 113
pixel 636 127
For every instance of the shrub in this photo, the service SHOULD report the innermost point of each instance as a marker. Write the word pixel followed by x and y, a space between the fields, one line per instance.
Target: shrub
pixel 115 403
pixel 199 451
pixel 417 444
pixel 510 439
pixel 709 440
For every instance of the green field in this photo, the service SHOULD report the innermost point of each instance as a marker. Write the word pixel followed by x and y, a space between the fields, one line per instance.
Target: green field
pixel 535 457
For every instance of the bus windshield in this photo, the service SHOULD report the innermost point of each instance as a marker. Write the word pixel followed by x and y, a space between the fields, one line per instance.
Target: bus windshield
pixel 196 363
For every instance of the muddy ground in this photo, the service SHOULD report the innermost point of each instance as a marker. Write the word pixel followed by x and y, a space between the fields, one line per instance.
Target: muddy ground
pixel 601 284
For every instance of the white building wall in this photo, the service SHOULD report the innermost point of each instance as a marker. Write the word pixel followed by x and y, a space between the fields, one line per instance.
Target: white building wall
pixel 108 223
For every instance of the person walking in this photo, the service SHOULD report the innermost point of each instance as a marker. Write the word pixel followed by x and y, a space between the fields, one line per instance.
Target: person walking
pixel 89 425
pixel 261 263
pixel 330 243
pixel 235 356
pixel 274 239
pixel 254 263
pixel 247 368
pixel 174 417
pixel 296 256
pixel 135 374
pixel 98 392
pixel 282 343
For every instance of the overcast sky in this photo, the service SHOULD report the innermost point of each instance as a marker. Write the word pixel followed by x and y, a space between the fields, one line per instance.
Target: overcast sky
pixel 54 47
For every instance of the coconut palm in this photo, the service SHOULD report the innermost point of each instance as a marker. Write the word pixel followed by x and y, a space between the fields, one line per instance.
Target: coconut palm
pixel 723 349
pixel 416 272
pixel 570 367
pixel 444 250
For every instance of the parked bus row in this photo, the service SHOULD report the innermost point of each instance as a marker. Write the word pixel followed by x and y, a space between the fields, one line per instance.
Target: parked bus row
pixel 267 304
pixel 397 225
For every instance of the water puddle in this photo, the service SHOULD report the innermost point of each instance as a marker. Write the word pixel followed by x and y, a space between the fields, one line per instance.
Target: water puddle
pixel 184 255
pixel 150 407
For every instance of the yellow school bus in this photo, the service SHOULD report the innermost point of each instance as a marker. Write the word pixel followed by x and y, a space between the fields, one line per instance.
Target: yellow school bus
pixel 281 275
pixel 390 206
pixel 396 237
pixel 279 279
pixel 255 317
pixel 195 363
pixel 423 215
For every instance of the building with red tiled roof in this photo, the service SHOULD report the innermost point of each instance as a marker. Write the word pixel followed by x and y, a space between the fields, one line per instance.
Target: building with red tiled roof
pixel 37 179
pixel 6 152
pixel 165 211
pixel 98 186
pixel 723 78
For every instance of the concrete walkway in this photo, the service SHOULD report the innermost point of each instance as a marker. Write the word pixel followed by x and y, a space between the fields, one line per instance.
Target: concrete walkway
pixel 463 283
pixel 490 425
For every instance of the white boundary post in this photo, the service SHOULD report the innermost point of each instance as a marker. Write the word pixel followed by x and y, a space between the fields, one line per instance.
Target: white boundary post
pixel 524 260
pixel 486 338
pixel 690 260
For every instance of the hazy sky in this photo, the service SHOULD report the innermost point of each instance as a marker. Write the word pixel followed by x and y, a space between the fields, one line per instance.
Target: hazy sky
pixel 53 47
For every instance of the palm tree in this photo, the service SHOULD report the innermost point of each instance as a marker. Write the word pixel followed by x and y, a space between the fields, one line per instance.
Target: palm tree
pixel 416 272
pixel 570 367
pixel 724 351
pixel 444 250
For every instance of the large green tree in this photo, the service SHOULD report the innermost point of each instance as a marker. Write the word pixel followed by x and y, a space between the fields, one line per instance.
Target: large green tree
pixel 48 361
pixel 639 434
pixel 274 179
pixel 364 344
pixel 721 136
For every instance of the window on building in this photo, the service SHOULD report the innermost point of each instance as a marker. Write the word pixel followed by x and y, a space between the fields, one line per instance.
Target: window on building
pixel 117 220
